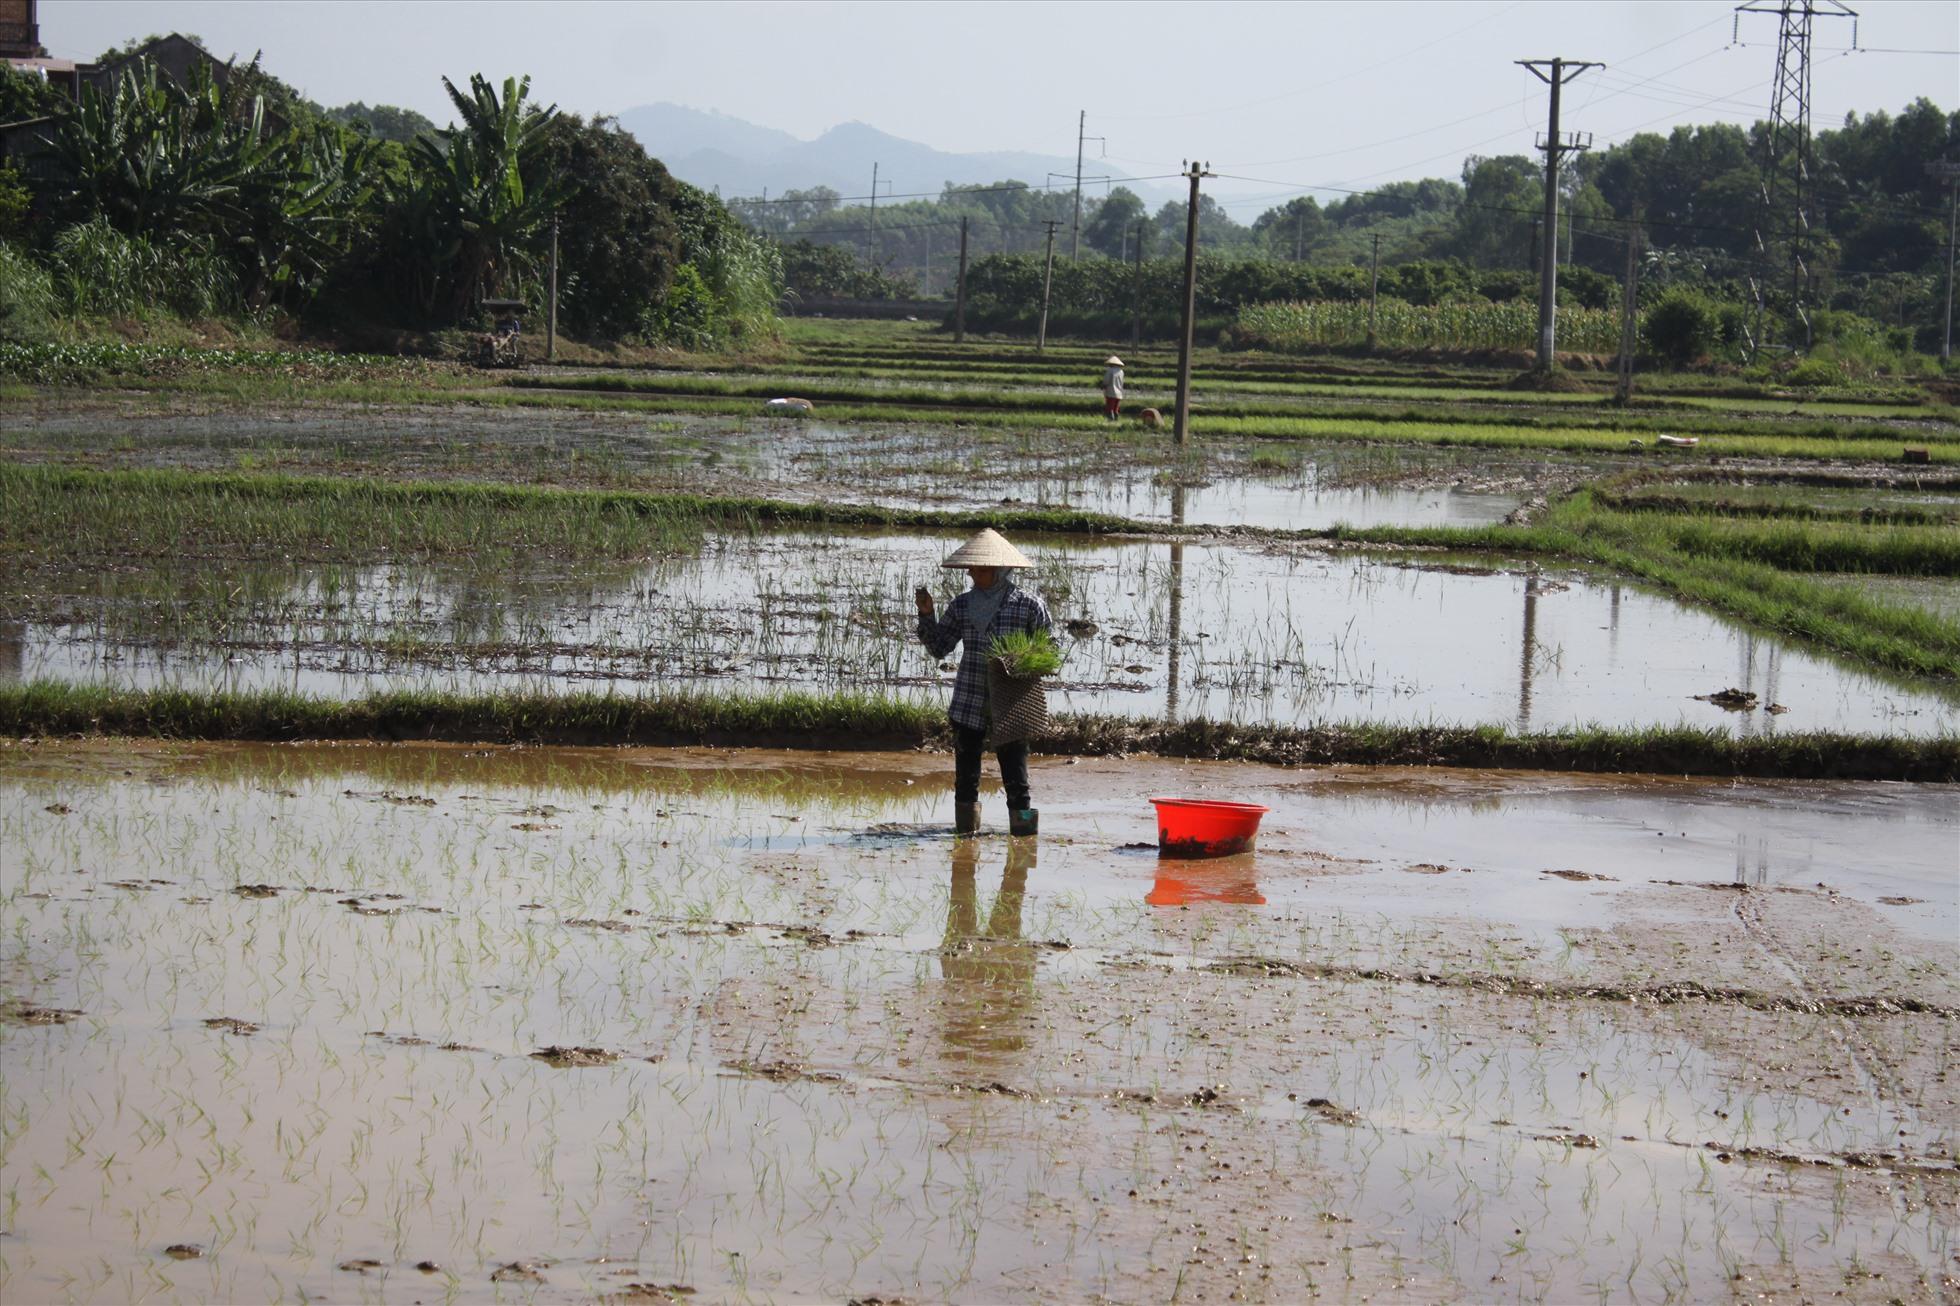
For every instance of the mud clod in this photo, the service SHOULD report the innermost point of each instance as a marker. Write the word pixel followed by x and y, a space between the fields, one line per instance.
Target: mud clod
pixel 1577 875
pixel 257 891
pixel 637 1292
pixel 573 1058
pixel 26 1013
pixel 183 1251
pixel 428 1267
pixel 58 809
pixel 996 1089
pixel 783 1072
pixel 231 1025
pixel 518 1272
pixel 1333 1112
pixel 1731 699
pixel 1569 1138
pixel 361 1265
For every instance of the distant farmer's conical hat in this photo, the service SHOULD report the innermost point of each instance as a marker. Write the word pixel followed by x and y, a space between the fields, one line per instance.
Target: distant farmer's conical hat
pixel 987 549
pixel 1112 361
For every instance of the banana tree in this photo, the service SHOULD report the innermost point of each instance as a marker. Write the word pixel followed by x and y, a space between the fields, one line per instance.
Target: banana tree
pixel 151 157
pixel 480 214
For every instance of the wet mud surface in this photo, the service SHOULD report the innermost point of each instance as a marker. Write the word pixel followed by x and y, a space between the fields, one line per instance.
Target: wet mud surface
pixel 655 1025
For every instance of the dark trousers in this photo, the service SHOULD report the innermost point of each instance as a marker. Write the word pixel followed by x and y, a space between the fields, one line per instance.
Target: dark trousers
pixel 967 747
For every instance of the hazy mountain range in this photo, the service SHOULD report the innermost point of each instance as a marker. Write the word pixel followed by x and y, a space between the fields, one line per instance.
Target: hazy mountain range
pixel 738 158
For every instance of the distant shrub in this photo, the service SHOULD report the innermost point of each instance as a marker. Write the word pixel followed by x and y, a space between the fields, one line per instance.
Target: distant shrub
pixel 1682 327
pixel 1813 372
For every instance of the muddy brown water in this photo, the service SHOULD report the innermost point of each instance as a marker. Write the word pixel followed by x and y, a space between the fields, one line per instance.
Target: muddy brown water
pixel 1454 1036
pixel 1269 633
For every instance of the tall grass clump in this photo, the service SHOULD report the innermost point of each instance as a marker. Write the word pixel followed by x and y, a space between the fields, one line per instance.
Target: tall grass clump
pixel 104 272
pixel 29 301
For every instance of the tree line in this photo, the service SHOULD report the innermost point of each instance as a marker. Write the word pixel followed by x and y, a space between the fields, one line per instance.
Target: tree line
pixel 1876 245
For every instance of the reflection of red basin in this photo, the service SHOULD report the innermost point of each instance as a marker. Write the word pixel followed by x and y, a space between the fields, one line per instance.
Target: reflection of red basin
pixel 1223 882
pixel 1200 827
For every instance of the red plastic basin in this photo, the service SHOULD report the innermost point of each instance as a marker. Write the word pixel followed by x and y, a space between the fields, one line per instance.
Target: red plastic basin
pixel 1202 827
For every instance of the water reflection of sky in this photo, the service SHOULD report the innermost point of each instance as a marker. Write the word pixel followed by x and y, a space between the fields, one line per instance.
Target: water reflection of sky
pixel 1270 634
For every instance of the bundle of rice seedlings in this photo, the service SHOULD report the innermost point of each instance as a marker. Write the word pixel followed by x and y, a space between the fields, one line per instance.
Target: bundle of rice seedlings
pixel 1026 654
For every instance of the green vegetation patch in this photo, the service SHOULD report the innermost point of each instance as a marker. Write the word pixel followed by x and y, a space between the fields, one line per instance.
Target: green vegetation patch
pixel 851 721
pixel 68 513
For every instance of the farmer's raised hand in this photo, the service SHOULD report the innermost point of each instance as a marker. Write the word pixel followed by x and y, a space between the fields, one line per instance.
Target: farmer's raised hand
pixel 923 597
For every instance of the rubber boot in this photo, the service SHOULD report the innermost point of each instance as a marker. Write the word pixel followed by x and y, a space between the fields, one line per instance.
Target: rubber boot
pixel 1023 820
pixel 966 818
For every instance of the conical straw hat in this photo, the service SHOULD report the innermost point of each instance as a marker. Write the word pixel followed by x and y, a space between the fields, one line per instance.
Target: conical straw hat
pixel 1113 361
pixel 987 549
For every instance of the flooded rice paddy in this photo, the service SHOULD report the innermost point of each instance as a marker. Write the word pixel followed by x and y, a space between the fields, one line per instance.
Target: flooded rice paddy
pixel 536 1024
pixel 1271 633
pixel 1288 485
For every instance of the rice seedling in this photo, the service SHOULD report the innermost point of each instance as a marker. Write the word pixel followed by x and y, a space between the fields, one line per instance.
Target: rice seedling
pixel 1026 654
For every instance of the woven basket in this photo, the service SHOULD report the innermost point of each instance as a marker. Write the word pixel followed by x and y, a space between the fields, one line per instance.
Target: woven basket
pixel 1017 706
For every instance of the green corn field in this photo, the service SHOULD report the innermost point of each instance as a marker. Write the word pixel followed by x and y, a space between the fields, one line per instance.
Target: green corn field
pixel 1401 325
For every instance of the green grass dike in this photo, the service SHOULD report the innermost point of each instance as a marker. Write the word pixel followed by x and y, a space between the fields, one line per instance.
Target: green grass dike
pixel 846 722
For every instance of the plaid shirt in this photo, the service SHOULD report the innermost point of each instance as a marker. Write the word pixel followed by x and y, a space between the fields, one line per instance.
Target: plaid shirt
pixel 1020 611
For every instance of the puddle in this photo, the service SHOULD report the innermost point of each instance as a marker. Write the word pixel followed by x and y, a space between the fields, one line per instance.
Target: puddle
pixel 699 1034
pixel 1272 633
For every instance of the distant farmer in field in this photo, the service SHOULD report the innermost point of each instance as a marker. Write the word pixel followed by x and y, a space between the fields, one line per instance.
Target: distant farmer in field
pixel 994 606
pixel 1112 386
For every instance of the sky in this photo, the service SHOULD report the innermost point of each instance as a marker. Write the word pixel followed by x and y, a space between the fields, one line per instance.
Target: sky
pixel 1279 98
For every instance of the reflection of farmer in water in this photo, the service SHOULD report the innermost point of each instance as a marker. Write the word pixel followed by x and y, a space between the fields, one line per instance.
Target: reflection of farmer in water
pixel 989 972
pixel 994 606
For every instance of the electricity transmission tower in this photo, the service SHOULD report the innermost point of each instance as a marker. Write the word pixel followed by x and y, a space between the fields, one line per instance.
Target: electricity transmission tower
pixel 1786 150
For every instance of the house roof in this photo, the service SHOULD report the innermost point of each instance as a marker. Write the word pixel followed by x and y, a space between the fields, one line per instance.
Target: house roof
pixel 149 47
pixel 41 64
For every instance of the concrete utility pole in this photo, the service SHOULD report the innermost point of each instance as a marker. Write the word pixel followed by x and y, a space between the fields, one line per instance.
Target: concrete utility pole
pixel 1560 72
pixel 1629 310
pixel 1047 280
pixel 1136 296
pixel 1075 227
pixel 1374 281
pixel 551 307
pixel 1181 429
pixel 871 229
pixel 959 295
pixel 1949 169
pixel 871 235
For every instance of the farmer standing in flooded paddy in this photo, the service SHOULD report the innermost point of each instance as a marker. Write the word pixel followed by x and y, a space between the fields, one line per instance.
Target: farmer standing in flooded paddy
pixel 1111 386
pixel 995 606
